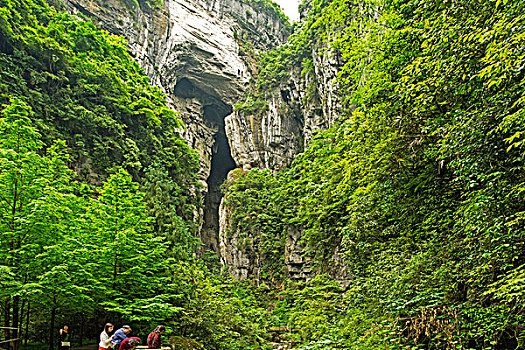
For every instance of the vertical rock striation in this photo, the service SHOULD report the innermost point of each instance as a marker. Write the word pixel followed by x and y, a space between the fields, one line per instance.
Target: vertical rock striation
pixel 191 50
pixel 297 108
pixel 200 52
pixel 270 139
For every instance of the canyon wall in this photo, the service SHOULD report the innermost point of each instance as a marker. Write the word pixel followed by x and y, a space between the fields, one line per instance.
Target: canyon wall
pixel 202 54
pixel 306 102
pixel 193 51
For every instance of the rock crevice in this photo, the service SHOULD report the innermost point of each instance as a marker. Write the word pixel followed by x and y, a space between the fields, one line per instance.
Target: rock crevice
pixel 190 49
pixel 201 54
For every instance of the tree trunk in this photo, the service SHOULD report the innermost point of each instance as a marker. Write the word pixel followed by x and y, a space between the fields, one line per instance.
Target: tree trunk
pixel 7 318
pixel 21 315
pixel 26 333
pixel 52 326
pixel 15 333
pixel 21 324
pixel 81 335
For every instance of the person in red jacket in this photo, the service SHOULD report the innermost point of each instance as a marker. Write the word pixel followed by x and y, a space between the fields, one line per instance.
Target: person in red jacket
pixel 154 337
pixel 129 343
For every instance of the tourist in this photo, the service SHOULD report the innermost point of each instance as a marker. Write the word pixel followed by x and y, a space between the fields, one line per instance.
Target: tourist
pixel 120 335
pixel 154 337
pixel 105 338
pixel 64 338
pixel 129 343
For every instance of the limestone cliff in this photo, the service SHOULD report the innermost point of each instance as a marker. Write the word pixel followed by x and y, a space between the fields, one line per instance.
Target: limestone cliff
pixel 201 53
pixel 297 108
pixel 191 49
pixel 308 101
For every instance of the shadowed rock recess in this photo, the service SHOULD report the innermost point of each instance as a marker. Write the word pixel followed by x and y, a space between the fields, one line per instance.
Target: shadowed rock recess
pixel 213 111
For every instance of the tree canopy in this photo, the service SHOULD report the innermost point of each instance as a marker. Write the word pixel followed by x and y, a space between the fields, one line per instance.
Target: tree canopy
pixel 420 184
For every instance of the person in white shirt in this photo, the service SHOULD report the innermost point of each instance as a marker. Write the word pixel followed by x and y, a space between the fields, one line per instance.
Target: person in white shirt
pixel 105 338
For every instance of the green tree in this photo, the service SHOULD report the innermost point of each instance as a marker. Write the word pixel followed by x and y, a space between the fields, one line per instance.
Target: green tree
pixel 33 188
pixel 168 204
pixel 135 259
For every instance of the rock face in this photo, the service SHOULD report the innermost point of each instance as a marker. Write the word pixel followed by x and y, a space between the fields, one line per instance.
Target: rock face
pixel 200 53
pixel 270 140
pixel 240 253
pixel 297 108
pixel 192 49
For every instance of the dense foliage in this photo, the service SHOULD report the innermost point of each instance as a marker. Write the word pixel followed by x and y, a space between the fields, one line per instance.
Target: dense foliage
pixel 69 253
pixel 98 194
pixel 83 87
pixel 420 186
pixel 421 182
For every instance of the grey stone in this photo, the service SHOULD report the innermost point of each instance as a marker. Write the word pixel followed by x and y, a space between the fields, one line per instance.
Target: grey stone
pixel 192 50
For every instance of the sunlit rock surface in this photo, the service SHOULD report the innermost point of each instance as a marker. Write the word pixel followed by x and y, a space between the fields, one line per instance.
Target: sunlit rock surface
pixel 196 42
pixel 196 52
pixel 192 50
pixel 300 106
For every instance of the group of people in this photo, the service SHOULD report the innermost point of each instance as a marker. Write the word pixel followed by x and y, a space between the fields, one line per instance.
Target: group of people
pixel 120 340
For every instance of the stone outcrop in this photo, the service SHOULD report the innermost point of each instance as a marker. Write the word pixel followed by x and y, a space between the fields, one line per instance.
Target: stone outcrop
pixel 269 139
pixel 240 254
pixel 193 51
pixel 296 109
pixel 194 42
pixel 200 53
pixel 181 343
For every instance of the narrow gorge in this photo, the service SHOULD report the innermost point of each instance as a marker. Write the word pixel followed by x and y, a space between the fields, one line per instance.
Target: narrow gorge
pixel 192 51
pixel 354 180
pixel 203 56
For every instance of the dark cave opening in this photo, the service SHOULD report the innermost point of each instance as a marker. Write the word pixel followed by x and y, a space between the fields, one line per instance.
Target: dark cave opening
pixel 214 112
pixel 185 89
pixel 221 164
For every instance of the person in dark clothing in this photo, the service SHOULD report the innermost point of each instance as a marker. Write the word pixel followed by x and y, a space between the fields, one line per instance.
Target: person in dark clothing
pixel 129 343
pixel 120 335
pixel 64 338
pixel 154 337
